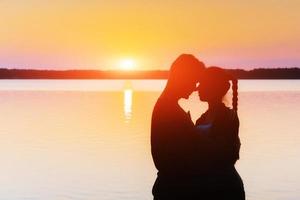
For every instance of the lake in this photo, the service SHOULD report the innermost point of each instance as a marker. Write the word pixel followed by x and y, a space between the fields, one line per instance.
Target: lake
pixel 90 139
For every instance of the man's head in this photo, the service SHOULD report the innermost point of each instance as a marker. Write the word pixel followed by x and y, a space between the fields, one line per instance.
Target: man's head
pixel 185 74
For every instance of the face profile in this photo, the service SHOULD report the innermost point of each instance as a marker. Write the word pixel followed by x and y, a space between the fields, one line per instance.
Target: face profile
pixel 188 88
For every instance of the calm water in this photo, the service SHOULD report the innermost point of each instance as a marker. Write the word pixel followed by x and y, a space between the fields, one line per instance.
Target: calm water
pixel 88 140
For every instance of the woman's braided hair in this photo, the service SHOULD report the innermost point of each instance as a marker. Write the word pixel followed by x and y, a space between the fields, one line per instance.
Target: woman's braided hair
pixel 234 94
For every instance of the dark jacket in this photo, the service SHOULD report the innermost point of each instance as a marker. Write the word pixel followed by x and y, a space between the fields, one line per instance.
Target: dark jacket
pixel 222 174
pixel 224 132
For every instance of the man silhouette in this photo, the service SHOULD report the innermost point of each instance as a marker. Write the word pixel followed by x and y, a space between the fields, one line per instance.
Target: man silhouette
pixel 174 144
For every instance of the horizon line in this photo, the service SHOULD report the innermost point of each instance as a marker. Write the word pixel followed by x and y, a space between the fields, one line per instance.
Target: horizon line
pixel 141 70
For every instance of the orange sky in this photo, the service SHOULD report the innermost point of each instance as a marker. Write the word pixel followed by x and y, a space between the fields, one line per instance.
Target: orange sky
pixel 98 34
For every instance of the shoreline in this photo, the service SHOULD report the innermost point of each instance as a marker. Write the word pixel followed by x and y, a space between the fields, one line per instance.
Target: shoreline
pixel 255 74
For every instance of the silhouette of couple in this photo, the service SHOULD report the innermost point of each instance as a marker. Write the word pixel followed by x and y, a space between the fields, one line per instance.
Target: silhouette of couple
pixel 196 161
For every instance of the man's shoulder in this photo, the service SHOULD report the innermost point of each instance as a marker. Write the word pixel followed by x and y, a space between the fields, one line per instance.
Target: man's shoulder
pixel 162 110
pixel 169 112
pixel 162 105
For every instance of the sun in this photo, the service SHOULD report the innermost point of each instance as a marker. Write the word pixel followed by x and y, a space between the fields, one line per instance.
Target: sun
pixel 127 64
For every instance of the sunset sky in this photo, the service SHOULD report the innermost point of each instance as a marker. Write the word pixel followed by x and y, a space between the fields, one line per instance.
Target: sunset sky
pixel 100 34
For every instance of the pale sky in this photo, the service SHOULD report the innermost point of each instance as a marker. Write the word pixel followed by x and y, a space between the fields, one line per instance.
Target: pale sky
pixel 99 34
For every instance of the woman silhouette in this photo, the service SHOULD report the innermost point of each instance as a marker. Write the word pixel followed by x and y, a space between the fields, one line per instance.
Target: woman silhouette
pixel 175 145
pixel 221 125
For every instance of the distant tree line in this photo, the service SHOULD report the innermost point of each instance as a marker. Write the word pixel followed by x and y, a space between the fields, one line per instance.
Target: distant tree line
pixel 260 73
pixel 266 73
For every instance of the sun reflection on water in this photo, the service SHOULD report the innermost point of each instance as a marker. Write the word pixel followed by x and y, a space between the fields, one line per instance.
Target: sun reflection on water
pixel 127 101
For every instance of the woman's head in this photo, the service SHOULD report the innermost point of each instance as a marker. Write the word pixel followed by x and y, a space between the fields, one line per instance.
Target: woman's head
pixel 214 84
pixel 184 75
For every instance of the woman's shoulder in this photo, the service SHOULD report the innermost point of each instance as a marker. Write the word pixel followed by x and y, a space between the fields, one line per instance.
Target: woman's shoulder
pixel 229 114
pixel 229 118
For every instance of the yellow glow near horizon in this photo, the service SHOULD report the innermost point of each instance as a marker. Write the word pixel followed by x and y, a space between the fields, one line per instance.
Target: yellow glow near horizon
pixel 127 64
pixel 58 34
